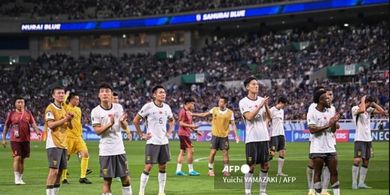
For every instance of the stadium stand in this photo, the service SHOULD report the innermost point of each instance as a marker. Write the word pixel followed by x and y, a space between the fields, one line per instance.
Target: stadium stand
pixel 99 9
pixel 269 55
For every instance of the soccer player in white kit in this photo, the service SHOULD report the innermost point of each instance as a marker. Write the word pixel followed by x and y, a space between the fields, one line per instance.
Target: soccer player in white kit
pixel 255 112
pixel 322 124
pixel 278 141
pixel 156 114
pixel 361 115
pixel 325 176
pixel 107 120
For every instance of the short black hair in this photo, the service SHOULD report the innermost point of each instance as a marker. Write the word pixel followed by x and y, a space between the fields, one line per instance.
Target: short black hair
pixel 72 95
pixel 105 86
pixel 317 95
pixel 57 87
pixel 370 99
pixel 248 80
pixel 224 99
pixel 189 100
pixel 318 88
pixel 19 98
pixel 115 94
pixel 155 88
pixel 283 100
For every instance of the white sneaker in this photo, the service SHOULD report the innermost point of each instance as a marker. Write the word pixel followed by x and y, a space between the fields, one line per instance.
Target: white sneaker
pixel 19 182
pixel 263 193
pixel 161 193
pixel 282 174
pixel 311 192
pixel 364 186
pixel 141 193
pixel 354 186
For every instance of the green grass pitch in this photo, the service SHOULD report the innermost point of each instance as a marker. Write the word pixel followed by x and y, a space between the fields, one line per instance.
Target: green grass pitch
pixel 295 166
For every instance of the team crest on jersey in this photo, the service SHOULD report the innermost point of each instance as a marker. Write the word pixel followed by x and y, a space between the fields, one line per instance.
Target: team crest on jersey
pixel 105 172
pixel 49 115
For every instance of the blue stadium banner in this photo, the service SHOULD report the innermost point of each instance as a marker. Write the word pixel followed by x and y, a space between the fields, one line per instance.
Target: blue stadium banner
pixel 200 17
pixel 295 131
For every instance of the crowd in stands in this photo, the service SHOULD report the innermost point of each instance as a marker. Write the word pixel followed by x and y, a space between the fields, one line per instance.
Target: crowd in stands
pixel 98 9
pixel 266 55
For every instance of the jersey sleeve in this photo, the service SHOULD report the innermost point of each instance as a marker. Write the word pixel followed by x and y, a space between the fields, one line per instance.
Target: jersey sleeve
pixel 355 110
pixel 273 113
pixel 311 118
pixel 32 120
pixel 49 114
pixel 370 110
pixel 211 110
pixel 8 120
pixel 144 111
pixel 244 108
pixel 182 115
pixel 170 114
pixel 120 108
pixel 95 118
pixel 232 117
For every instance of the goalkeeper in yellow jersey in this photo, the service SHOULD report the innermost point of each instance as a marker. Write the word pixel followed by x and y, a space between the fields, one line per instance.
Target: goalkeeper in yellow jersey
pixel 75 143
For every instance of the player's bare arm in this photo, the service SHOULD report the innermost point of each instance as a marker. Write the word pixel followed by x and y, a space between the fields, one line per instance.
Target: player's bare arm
pixel 316 129
pixel 54 124
pixel 251 115
pixel 136 122
pixel 5 131
pixel 101 129
pixel 204 114
pixel 124 125
pixel 234 127
pixel 362 105
pixel 171 124
pixel 378 109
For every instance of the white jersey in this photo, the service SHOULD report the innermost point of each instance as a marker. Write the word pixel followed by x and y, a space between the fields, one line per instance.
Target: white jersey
pixel 256 130
pixel 156 119
pixel 363 124
pixel 313 107
pixel 277 127
pixel 321 142
pixel 111 142
pixel 332 109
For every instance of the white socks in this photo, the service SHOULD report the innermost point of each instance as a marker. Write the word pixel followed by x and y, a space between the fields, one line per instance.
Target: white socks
pixel 264 181
pixel 325 178
pixel 355 172
pixel 178 167
pixel 17 177
pixel 309 174
pixel 248 182
pixel 211 166
pixel 280 164
pixel 362 176
pixel 126 190
pixel 143 181
pixel 336 188
pixel 190 167
pixel 162 178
